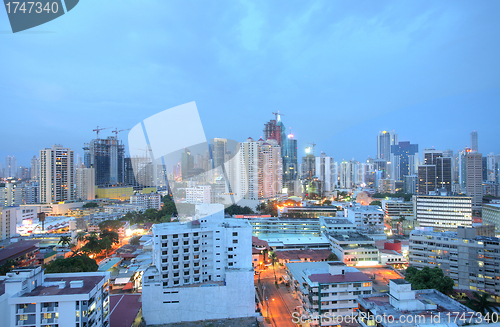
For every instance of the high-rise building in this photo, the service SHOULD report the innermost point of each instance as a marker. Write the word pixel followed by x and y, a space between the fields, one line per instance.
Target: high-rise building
pixel 410 184
pixel 404 159
pixel 474 178
pixel 35 168
pixel 219 146
pixel 10 167
pixel 443 173
pixel 426 179
pixel 385 140
pixel 57 177
pixel 106 156
pixel 11 194
pixel 308 167
pixel 208 262
pixel 442 212
pixel 470 260
pixel 84 184
pixel 473 141
pixel 187 164
pixel 324 171
pixel 260 170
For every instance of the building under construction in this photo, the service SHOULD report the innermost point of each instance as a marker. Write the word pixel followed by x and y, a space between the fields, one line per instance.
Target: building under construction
pixel 106 156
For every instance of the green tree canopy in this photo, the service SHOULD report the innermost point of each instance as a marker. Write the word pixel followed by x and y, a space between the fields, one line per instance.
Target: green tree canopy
pixel 332 257
pixel 65 240
pixel 90 205
pixel 110 224
pixel 111 235
pixel 376 203
pixel 428 278
pixel 135 240
pixel 235 209
pixel 480 303
pixel 78 263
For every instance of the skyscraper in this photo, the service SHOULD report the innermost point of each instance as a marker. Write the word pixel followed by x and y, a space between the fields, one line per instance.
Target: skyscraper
pixel 35 168
pixel 426 179
pixel 404 158
pixel 385 140
pixel 218 151
pixel 473 141
pixel 474 178
pixel 56 174
pixel 85 183
pixel 10 167
pixel 187 164
pixel 324 171
pixel 106 156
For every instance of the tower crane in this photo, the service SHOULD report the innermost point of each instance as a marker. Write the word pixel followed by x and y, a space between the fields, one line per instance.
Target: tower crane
pixel 116 131
pixel 313 146
pixel 97 130
pixel 277 114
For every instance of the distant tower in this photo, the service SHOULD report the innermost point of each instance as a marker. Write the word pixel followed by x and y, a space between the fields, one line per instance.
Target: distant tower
pixel 106 156
pixel 10 166
pixel 35 168
pixel 474 178
pixel 384 141
pixel 57 177
pixel 404 158
pixel 473 141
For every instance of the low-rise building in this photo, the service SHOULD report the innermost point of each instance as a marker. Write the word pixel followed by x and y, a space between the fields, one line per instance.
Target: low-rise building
pixel 289 256
pixel 354 249
pixel 273 225
pixel 442 212
pixel 22 253
pixel 28 297
pixel 199 194
pixel 328 287
pixel 403 306
pixel 338 225
pixel 147 200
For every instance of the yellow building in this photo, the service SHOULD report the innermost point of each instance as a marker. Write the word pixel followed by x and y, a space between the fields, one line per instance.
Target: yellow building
pixel 119 193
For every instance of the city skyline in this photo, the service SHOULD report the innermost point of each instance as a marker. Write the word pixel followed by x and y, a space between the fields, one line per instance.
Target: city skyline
pixel 386 66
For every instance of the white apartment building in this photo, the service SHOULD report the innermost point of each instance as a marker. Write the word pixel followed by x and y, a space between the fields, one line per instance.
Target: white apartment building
pixel 11 194
pixel 148 200
pixel 7 222
pixel 471 261
pixel 201 270
pixel 325 172
pixel 354 249
pixel 85 184
pixel 56 174
pixel 367 219
pixel 328 287
pixel 337 225
pixel 443 213
pixel 28 297
pixel 259 175
pixel 395 209
pixel 199 194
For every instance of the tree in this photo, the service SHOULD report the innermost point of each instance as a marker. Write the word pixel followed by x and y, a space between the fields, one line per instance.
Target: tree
pixel 332 257
pixel 105 244
pixel 480 303
pixel 327 202
pixel 235 209
pixel 135 240
pixel 64 240
pixel 80 236
pixel 79 263
pixel 92 243
pixel 376 203
pixel 274 259
pixel 111 235
pixel 110 225
pixel 90 205
pixel 7 267
pixel 428 278
pixel 268 208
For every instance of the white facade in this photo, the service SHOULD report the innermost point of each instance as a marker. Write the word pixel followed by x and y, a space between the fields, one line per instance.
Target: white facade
pixel 11 195
pixel 474 178
pixel 491 215
pixel 201 270
pixel 56 174
pixel 7 222
pixel 325 171
pixel 443 212
pixel 368 219
pixel 85 183
pixel 148 200
pixel 34 299
pixel 354 249
pixel 199 194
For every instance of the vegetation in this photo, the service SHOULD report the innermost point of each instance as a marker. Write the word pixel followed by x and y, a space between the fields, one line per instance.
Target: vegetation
pixel 77 263
pixel 274 259
pixel 428 278
pixel 65 240
pixel 113 225
pixel 332 257
pixel 376 203
pixel 164 215
pixel 480 303
pixel 111 235
pixel 235 209
pixel 268 208
pixel 405 196
pixel 135 240
pixel 90 205
pixel 7 267
pixel 327 202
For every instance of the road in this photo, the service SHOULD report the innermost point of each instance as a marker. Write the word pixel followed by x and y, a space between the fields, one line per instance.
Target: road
pixel 279 314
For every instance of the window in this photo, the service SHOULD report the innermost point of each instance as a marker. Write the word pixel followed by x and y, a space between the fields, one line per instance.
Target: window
pixel 235 241
pixel 186 280
pixel 186 235
pixel 235 233
pixel 175 236
pixel 176 282
pixel 230 249
pixel 186 242
pixel 165 275
pixel 176 274
pixel 176 266
pixel 186 257
pixel 368 284
pixel 186 273
pixel 23 317
pixel 195 234
pixel 165 283
pixel 186 265
pixel 175 244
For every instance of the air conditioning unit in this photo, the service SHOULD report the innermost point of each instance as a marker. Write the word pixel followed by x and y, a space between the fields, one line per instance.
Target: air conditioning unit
pixel 45 309
pixel 44 321
pixel 20 311
pixel 20 323
pixel 55 321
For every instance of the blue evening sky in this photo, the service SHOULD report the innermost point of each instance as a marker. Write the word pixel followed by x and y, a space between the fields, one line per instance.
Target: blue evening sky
pixel 339 71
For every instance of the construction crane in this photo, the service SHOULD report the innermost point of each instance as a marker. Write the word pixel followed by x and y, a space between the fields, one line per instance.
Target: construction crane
pixel 276 114
pixel 308 149
pixel 116 131
pixel 97 130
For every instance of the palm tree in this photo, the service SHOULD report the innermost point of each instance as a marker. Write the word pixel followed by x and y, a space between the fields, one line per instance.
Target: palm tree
pixel 93 243
pixel 64 240
pixel 80 236
pixel 480 303
pixel 274 259
pixel 106 244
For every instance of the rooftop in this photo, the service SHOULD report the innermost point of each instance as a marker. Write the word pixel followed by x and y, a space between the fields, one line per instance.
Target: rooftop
pixel 337 221
pixel 349 237
pixel 318 272
pixel 313 255
pixel 123 309
pixel 348 277
pixel 89 282
pixel 17 249
pixel 279 239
